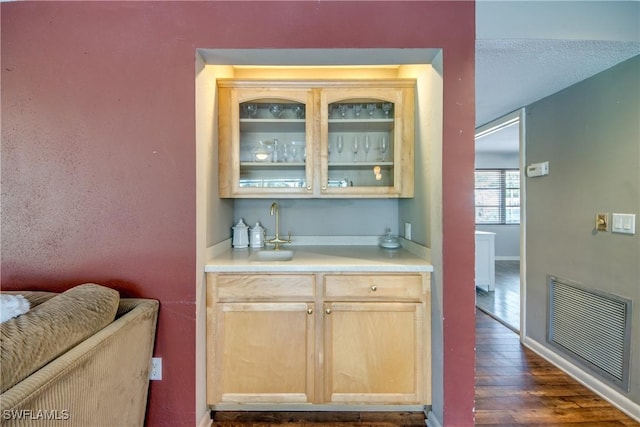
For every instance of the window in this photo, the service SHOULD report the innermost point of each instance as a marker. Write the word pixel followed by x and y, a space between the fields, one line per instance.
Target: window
pixel 497 196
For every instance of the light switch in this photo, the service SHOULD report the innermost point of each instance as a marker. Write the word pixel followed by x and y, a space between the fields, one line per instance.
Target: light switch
pixel 623 223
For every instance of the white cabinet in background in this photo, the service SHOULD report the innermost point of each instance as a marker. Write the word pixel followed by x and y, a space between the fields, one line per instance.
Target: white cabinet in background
pixel 485 259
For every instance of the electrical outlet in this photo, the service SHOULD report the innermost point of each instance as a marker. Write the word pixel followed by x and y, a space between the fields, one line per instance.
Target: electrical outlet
pixel 407 230
pixel 156 368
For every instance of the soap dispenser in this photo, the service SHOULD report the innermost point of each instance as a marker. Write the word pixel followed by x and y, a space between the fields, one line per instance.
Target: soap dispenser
pixel 240 235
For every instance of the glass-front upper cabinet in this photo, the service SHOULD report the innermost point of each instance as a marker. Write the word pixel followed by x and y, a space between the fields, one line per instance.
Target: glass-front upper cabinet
pixel 265 141
pixel 346 138
pixel 367 140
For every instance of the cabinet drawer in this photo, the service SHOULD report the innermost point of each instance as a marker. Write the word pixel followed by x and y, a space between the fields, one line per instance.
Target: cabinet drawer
pixel 375 286
pixel 265 286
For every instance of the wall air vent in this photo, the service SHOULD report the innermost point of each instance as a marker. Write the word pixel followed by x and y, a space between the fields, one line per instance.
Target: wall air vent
pixel 592 328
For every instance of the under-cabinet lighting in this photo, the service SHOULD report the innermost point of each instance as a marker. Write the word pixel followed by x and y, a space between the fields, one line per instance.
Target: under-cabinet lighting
pixel 307 67
pixel 317 71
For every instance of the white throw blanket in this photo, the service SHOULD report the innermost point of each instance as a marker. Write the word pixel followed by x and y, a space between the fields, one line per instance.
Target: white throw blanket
pixel 12 306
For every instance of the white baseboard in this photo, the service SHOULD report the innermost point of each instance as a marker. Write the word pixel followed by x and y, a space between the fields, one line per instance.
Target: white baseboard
pixel 432 420
pixel 205 421
pixel 507 258
pixel 607 392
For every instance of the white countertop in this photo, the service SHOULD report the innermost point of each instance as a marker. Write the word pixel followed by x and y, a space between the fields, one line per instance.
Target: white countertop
pixel 347 258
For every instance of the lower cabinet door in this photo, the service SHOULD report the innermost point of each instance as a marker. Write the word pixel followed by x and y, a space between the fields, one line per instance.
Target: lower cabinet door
pixel 373 353
pixel 264 353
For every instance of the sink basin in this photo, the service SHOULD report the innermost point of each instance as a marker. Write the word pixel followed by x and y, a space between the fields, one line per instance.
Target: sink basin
pixel 271 255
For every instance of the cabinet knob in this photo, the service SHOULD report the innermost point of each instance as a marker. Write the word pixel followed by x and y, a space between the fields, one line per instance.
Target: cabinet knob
pixel 309 310
pixel 308 188
pixel 324 187
pixel 328 311
pixel 374 288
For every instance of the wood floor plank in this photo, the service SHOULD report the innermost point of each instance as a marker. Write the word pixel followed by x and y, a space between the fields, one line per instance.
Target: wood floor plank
pixel 494 417
pixel 577 393
pixel 516 387
pixel 551 415
pixel 557 424
pixel 316 419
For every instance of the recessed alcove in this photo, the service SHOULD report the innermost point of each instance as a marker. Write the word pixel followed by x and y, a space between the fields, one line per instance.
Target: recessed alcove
pixel 313 217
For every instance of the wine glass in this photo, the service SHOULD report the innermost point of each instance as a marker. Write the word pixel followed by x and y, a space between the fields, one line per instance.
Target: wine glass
pixel 276 110
pixel 342 109
pixel 355 145
pixel 384 146
pixel 366 146
pixel 356 110
pixel 340 144
pixel 250 110
pixel 386 107
pixel 371 109
pixel 298 110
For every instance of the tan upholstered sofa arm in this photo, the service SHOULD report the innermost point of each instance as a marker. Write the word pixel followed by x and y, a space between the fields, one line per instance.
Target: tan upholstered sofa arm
pixel 101 382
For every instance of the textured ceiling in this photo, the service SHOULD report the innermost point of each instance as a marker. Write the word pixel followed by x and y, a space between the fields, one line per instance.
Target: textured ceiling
pixel 527 50
pixel 511 74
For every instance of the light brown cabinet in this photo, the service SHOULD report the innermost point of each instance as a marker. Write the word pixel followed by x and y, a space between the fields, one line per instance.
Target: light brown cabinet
pixel 316 138
pixel 318 338
pixel 260 338
pixel 376 338
pixel 373 352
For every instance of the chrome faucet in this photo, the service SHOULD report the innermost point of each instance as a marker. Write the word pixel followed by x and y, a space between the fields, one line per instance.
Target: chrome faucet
pixel 277 241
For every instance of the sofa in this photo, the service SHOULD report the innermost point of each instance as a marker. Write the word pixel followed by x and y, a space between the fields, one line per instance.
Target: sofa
pixel 78 358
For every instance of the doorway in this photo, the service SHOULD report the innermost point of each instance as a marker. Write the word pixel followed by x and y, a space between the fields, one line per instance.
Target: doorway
pixel 499 212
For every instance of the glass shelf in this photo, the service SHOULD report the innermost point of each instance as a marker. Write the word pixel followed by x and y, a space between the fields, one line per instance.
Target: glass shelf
pixel 360 165
pixel 272 125
pixel 272 165
pixel 361 125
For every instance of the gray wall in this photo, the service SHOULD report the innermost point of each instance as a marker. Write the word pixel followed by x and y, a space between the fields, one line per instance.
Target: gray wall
pixel 322 217
pixel 591 136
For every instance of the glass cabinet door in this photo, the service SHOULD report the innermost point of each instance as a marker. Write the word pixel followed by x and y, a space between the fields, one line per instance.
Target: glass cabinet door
pixel 270 135
pixel 361 141
pixel 316 139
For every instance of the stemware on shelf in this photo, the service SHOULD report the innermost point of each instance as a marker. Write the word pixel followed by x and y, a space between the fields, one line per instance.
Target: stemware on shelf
pixel 250 110
pixel 276 110
pixel 340 144
pixel 342 109
pixel 356 110
pixel 298 111
pixel 371 109
pixel 366 146
pixel 384 146
pixel 386 107
pixel 355 145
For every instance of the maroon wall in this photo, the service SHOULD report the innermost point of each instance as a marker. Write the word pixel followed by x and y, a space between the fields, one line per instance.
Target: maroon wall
pixel 98 152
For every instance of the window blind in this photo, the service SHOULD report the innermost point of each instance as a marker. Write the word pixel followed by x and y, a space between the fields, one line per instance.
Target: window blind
pixel 497 196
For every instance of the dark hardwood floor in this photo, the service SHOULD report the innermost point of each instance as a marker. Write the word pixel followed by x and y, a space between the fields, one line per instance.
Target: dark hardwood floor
pixel 319 419
pixel 514 387
pixel 503 303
